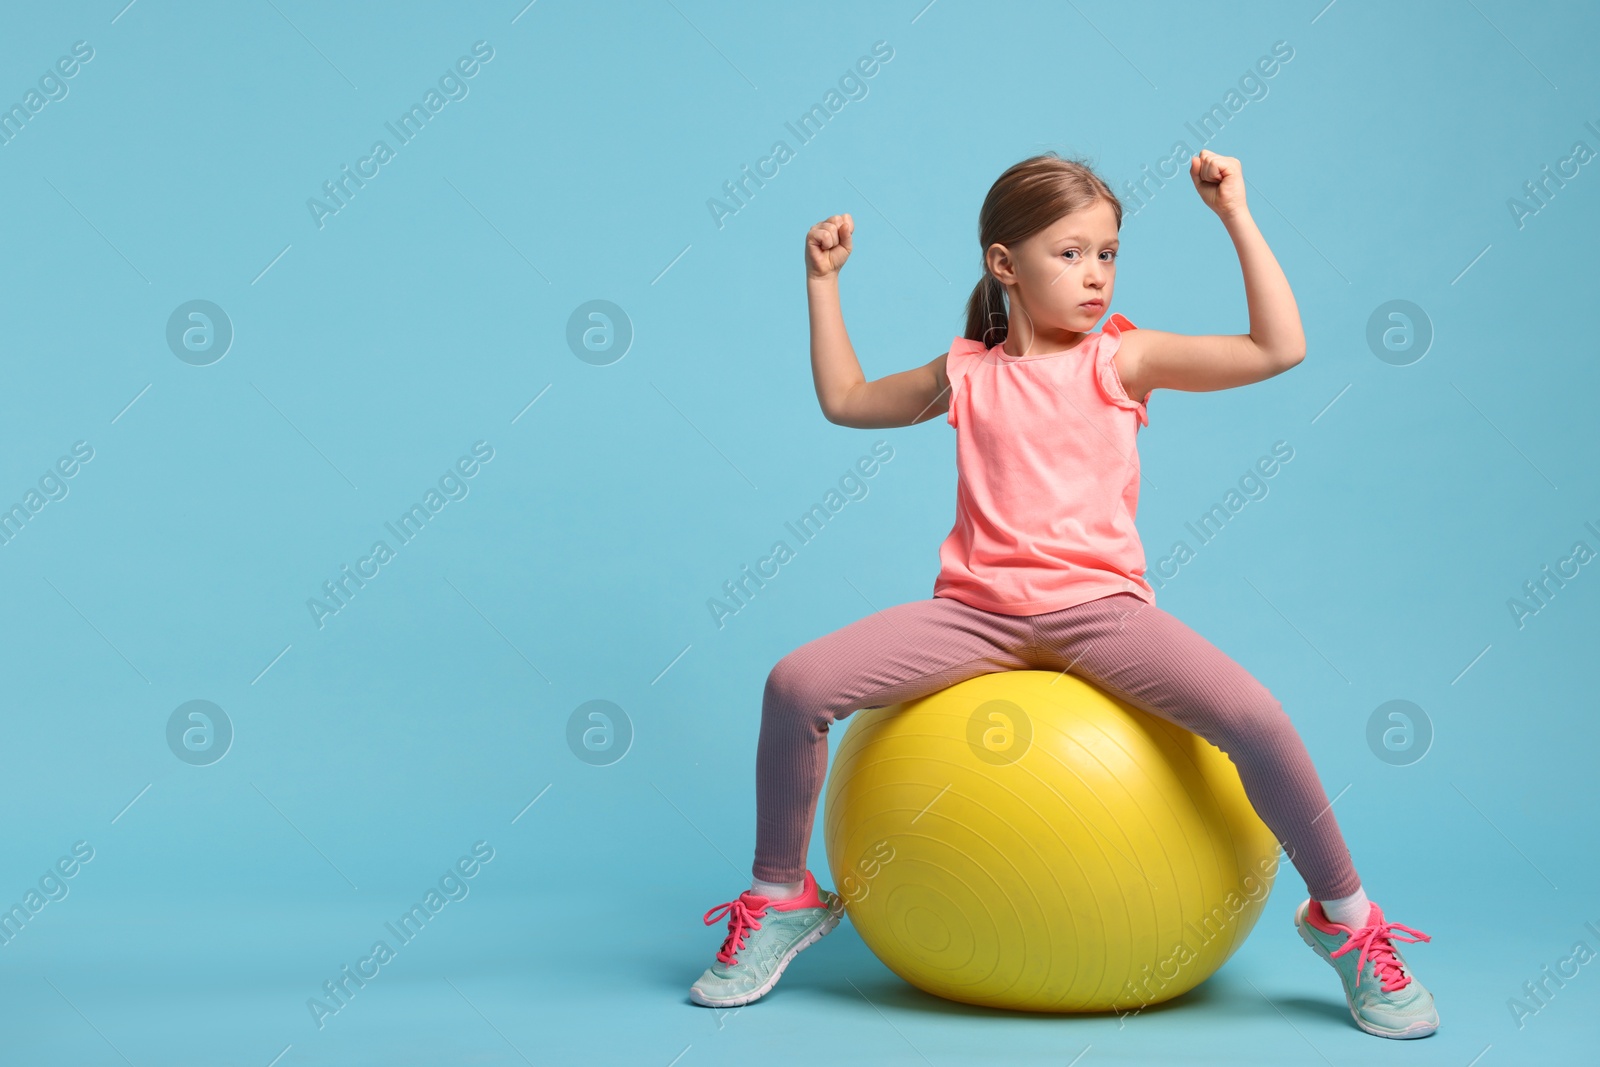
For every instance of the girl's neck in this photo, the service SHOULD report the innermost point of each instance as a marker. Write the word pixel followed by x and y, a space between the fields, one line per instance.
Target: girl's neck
pixel 1022 341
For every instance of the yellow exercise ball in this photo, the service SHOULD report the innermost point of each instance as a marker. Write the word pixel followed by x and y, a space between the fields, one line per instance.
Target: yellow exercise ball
pixel 1025 840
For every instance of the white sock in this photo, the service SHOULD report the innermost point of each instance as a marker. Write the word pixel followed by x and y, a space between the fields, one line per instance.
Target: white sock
pixel 777 890
pixel 1348 911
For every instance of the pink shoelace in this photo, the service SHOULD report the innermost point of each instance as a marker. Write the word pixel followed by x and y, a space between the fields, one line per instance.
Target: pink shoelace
pixel 1376 943
pixel 741 920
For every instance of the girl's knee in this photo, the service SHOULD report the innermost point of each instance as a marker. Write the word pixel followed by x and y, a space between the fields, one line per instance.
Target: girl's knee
pixel 1239 718
pixel 797 685
pixel 1255 720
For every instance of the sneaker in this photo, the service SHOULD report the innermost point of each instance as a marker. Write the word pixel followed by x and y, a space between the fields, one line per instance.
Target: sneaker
pixel 1385 998
pixel 763 936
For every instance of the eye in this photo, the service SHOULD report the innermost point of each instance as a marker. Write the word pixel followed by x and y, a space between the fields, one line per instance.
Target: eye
pixel 1070 252
pixel 1112 252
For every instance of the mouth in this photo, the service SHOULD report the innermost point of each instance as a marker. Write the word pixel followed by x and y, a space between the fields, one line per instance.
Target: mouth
pixel 1093 305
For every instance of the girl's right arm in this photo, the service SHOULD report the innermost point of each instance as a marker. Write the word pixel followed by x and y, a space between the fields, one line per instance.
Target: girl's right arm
pixel 847 398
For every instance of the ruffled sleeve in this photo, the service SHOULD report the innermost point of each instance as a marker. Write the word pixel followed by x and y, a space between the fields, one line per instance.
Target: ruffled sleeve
pixel 956 365
pixel 1106 369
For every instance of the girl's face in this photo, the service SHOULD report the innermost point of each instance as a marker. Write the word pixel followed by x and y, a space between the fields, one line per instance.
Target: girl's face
pixel 1060 272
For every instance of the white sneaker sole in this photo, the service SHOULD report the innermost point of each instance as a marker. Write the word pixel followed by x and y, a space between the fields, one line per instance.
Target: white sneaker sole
pixel 1421 1028
pixel 777 972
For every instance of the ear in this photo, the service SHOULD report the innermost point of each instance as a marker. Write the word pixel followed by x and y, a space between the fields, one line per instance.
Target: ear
pixel 998 257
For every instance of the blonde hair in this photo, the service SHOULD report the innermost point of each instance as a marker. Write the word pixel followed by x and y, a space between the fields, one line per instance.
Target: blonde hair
pixel 1028 197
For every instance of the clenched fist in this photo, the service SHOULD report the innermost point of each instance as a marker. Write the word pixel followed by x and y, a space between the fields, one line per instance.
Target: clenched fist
pixel 828 246
pixel 1220 182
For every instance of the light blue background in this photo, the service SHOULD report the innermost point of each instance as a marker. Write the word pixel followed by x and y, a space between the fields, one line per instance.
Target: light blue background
pixel 430 311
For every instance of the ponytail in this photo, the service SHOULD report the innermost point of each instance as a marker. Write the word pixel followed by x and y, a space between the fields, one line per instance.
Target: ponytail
pixel 986 312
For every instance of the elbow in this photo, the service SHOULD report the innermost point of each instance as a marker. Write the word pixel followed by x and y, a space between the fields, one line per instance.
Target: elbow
pixel 1274 359
pixel 836 407
pixel 1297 351
pixel 840 418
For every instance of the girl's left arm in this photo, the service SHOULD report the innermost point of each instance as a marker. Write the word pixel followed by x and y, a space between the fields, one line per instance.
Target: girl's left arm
pixel 1152 359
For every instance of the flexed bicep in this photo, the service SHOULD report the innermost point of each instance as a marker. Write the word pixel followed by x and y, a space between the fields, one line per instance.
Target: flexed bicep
pixel 902 399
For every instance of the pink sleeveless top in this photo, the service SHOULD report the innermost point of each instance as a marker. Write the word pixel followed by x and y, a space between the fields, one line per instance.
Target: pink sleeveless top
pixel 1047 478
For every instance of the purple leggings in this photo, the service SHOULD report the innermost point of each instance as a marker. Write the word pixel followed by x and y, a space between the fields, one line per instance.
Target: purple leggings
pixel 1120 643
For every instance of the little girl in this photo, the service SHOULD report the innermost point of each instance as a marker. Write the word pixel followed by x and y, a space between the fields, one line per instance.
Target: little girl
pixel 1043 568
